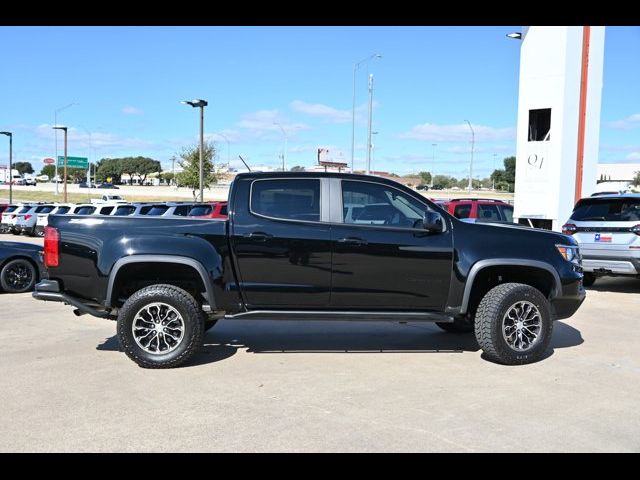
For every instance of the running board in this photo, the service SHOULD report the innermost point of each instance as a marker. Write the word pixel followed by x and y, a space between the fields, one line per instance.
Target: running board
pixel 341 316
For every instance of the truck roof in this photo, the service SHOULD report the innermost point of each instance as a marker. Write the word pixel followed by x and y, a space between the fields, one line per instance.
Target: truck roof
pixel 346 176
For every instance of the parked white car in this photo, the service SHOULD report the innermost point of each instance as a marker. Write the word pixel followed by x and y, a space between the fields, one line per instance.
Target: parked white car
pixel 26 221
pixel 8 217
pixel 109 199
pixel 43 217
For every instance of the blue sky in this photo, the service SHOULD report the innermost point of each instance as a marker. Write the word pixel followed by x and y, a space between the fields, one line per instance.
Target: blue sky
pixel 128 82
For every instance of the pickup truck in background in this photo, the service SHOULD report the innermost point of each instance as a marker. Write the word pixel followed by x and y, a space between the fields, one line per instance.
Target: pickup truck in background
pixel 311 246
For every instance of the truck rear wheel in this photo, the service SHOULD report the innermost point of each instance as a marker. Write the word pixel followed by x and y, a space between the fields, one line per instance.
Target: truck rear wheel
pixel 160 326
pixel 513 324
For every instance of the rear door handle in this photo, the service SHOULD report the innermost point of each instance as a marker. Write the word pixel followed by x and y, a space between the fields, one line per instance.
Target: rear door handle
pixel 353 241
pixel 258 236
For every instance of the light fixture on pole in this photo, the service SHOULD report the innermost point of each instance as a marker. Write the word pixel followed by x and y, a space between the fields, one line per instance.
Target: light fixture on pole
pixel 65 160
pixel 199 103
pixel 515 35
pixel 284 152
pixel 55 122
pixel 353 107
pixel 10 135
pixel 473 135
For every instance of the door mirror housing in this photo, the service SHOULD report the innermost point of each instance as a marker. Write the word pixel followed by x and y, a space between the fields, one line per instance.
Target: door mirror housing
pixel 432 222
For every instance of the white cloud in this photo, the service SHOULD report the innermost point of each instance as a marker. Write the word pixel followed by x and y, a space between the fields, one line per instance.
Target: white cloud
pixel 632 121
pixel 321 110
pixel 633 156
pixel 430 132
pixel 129 110
pixel 264 124
pixel 98 140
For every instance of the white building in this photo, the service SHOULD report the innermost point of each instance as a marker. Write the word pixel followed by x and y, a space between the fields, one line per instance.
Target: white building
pixel 618 172
pixel 558 121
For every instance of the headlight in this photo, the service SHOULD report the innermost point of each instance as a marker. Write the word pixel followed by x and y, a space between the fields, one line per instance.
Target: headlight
pixel 569 253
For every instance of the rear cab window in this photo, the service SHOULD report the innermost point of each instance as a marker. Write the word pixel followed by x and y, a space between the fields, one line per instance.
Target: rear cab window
pixel 287 199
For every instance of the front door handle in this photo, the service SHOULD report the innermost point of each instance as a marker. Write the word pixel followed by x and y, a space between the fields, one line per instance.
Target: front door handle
pixel 258 236
pixel 353 241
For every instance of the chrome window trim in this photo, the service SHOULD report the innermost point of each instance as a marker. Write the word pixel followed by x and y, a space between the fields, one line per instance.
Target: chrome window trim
pixel 341 222
pixel 321 200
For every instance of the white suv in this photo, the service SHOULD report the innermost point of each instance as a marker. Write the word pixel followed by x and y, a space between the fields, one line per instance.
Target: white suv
pixel 607 228
pixel 26 220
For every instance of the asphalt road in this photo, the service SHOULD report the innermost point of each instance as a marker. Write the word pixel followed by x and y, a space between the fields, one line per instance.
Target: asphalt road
pixel 313 386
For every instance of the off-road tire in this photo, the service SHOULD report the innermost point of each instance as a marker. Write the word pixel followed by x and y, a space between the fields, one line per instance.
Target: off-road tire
pixel 489 319
pixel 588 279
pixel 184 303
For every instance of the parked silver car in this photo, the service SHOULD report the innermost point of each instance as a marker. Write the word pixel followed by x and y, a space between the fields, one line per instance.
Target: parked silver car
pixel 607 228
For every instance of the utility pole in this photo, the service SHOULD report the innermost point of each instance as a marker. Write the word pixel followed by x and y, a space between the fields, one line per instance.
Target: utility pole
pixel 471 162
pixel 369 129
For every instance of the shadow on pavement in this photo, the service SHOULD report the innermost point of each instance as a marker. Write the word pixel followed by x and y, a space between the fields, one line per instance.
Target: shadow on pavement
pixel 616 285
pixel 287 337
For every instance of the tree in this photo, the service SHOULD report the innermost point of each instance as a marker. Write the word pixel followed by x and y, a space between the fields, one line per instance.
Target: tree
pixel 129 165
pixel 425 176
pixel 23 167
pixel 297 168
pixel 145 166
pixel 636 179
pixel 109 168
pixel 444 181
pixel 167 177
pixel 190 163
pixel 49 171
pixel 505 179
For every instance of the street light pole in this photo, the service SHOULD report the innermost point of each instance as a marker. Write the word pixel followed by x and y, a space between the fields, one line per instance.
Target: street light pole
pixel 10 135
pixel 369 129
pixel 55 123
pixel 353 107
pixel 284 152
pixel 433 162
pixel 228 148
pixel 65 160
pixel 201 104
pixel 473 135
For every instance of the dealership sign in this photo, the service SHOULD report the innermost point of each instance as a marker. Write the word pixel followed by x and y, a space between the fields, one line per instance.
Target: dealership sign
pixel 48 161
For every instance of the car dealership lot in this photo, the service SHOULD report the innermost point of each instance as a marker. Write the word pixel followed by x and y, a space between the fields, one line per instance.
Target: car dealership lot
pixel 321 386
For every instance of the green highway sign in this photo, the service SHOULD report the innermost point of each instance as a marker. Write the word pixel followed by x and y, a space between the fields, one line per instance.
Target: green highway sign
pixel 74 162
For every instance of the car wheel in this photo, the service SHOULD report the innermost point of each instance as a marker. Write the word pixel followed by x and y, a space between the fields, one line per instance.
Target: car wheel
pixel 160 326
pixel 459 325
pixel 39 232
pixel 15 232
pixel 18 276
pixel 588 279
pixel 513 324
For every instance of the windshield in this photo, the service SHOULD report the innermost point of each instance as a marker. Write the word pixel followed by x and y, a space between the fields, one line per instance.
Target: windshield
pixel 607 209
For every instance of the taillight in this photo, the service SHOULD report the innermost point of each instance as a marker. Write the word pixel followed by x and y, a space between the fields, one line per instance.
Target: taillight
pixel 635 229
pixel 569 229
pixel 27 217
pixel 51 243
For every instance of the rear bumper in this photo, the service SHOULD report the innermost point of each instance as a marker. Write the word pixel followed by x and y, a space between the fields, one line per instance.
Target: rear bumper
pixel 49 290
pixel 616 265
pixel 571 297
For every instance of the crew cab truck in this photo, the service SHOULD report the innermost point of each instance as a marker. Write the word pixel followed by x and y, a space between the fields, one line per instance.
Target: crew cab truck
pixel 290 250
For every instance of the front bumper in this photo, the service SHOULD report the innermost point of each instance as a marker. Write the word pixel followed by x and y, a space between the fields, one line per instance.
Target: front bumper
pixel 49 290
pixel 567 303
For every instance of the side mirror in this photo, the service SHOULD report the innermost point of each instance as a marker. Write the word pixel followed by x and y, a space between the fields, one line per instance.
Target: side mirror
pixel 432 222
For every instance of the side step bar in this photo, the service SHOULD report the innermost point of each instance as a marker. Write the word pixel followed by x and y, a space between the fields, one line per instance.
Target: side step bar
pixel 341 315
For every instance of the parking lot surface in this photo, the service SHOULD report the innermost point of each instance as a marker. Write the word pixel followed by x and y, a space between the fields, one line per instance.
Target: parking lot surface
pixel 321 386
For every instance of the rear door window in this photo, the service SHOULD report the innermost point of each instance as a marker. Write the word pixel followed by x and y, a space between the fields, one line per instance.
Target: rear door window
pixel 488 212
pixel 607 210
pixel 462 210
pixel 289 199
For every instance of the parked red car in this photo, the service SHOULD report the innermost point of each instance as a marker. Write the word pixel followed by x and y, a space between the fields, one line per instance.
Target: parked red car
pixel 482 209
pixel 3 207
pixel 209 210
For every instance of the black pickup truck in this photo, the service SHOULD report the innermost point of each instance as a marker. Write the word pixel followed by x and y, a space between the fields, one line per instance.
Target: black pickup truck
pixel 313 246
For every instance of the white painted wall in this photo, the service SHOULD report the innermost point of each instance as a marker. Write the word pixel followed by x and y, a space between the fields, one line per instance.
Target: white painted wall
pixel 550 68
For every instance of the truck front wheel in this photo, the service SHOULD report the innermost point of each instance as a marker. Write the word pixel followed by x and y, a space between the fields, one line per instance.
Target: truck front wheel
pixel 160 326
pixel 513 324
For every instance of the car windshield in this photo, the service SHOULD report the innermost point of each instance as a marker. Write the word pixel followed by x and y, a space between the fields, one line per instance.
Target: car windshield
pixel 607 209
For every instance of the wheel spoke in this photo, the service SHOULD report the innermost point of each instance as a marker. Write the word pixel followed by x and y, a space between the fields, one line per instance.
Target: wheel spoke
pixel 521 325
